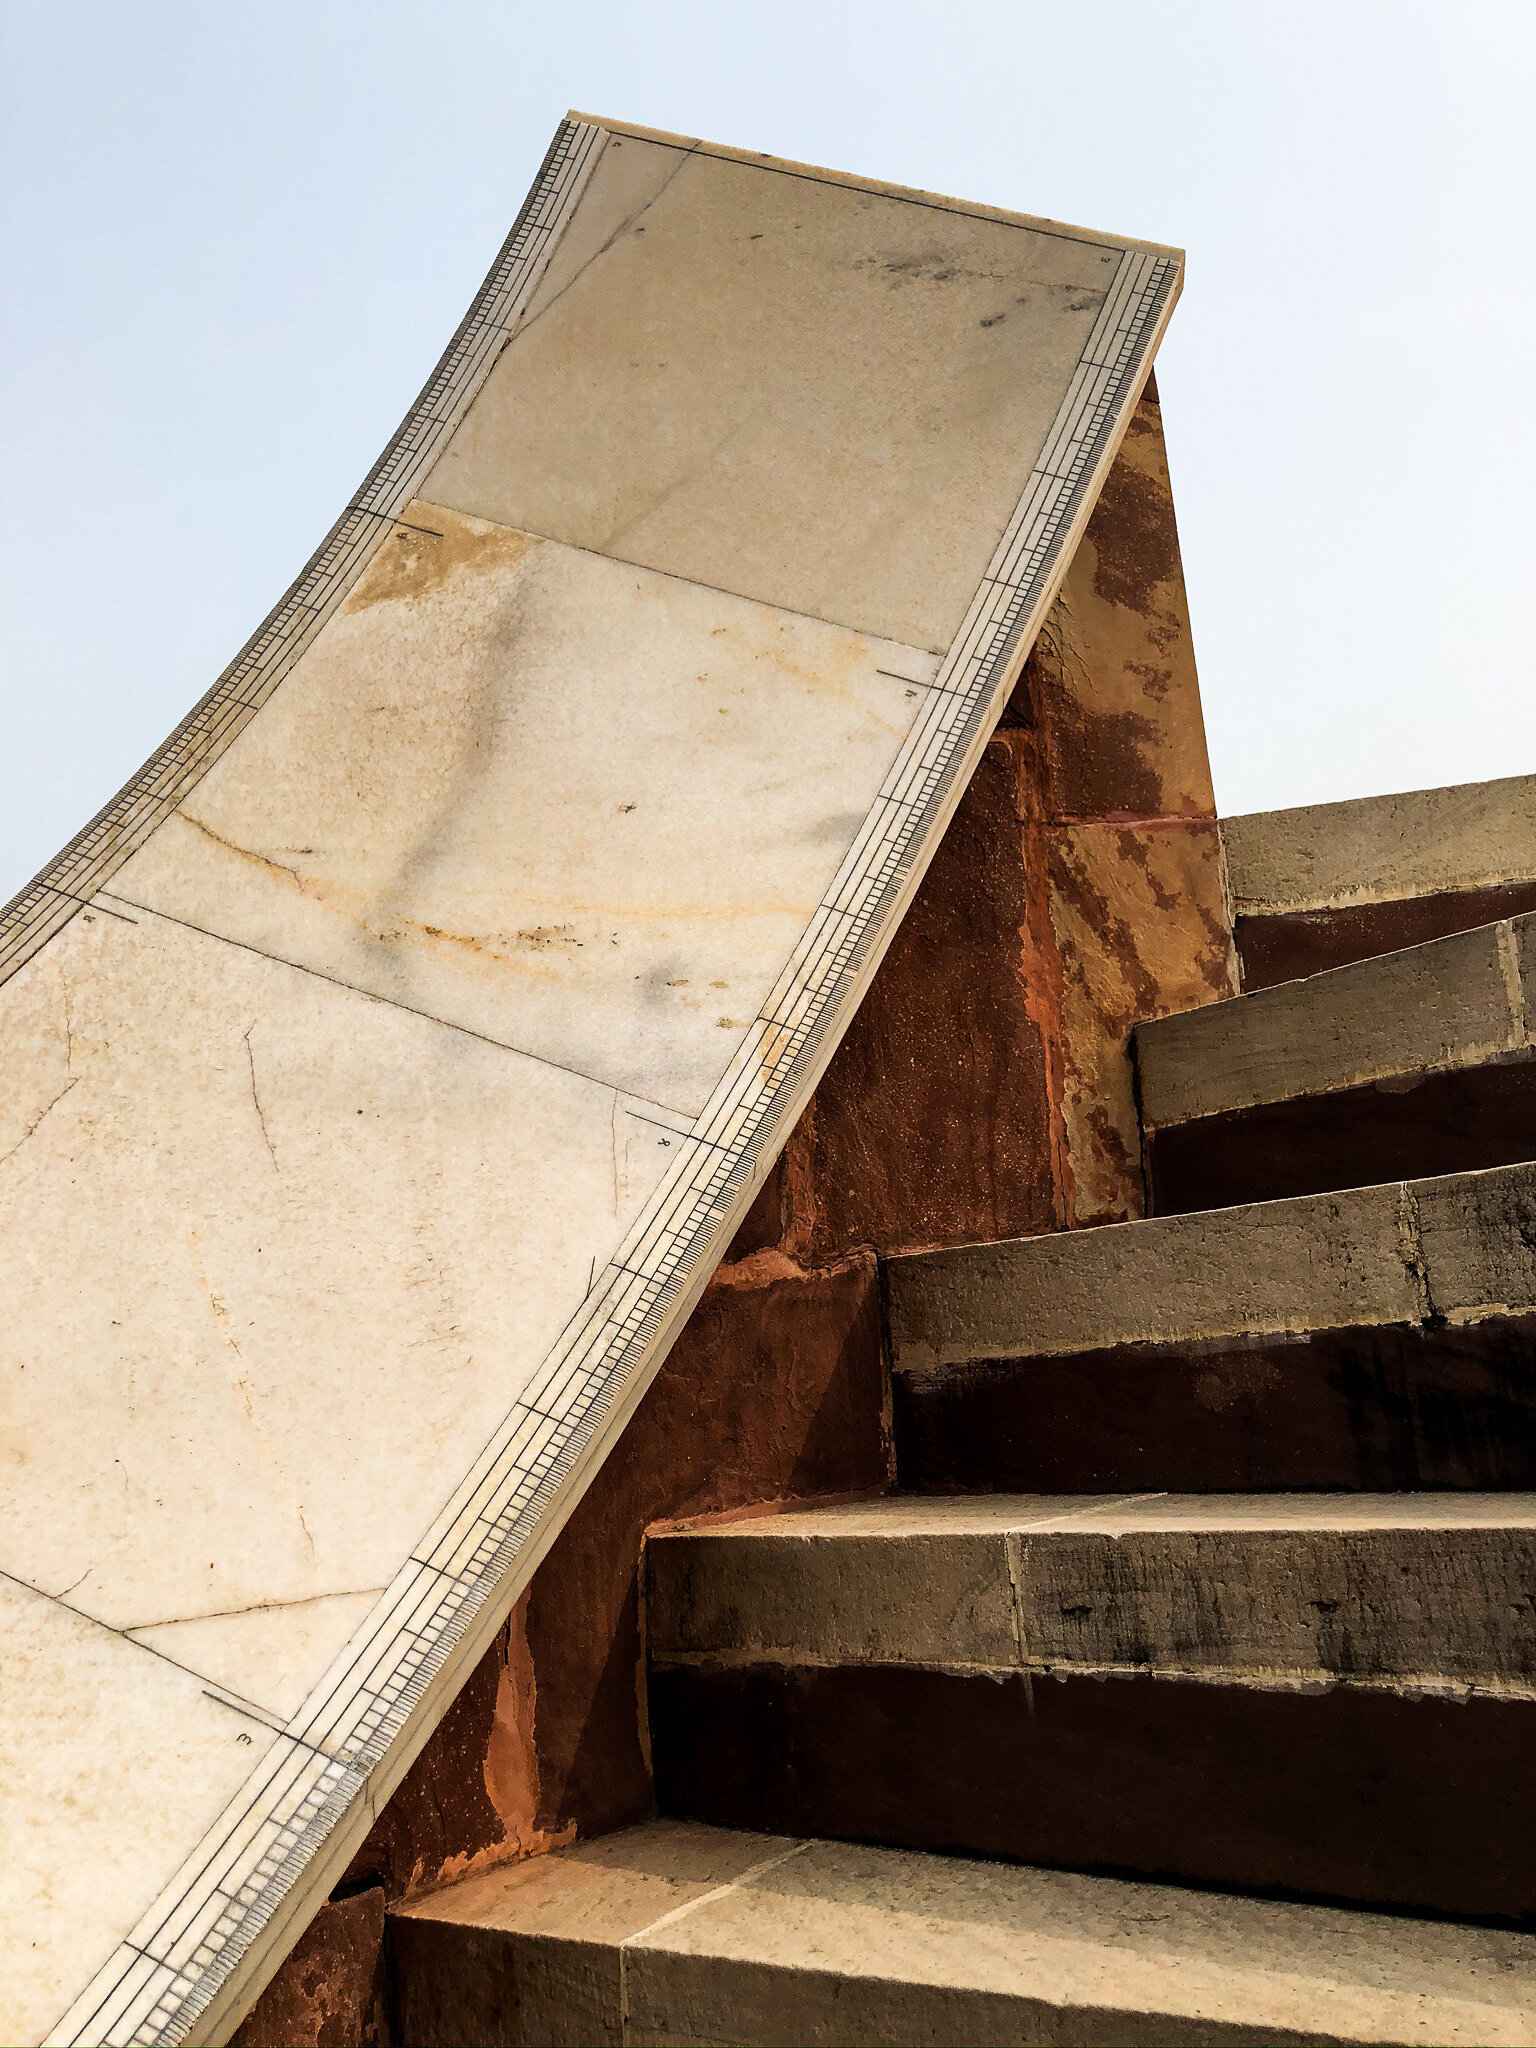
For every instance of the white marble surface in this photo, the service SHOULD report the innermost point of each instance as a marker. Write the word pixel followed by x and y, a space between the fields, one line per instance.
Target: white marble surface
pixel 320 1124
pixel 826 398
pixel 277 1260
pixel 578 807
pixel 112 1760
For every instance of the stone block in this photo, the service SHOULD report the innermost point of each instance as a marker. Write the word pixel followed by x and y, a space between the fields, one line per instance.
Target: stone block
pixel 1381 848
pixel 1326 1262
pixel 756 1939
pixel 1416 1590
pixel 1449 1004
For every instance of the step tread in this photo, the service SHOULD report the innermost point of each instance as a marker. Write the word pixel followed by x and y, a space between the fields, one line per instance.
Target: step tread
pixel 1453 1248
pixel 900 1516
pixel 1376 849
pixel 1416 1592
pixel 1453 1002
pixel 710 1935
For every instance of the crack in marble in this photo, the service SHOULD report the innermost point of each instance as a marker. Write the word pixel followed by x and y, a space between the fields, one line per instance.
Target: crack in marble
pixel 135 1628
pixel 256 1095
pixel 664 493
pixel 241 1382
pixel 531 320
pixel 42 1114
pixel 227 1696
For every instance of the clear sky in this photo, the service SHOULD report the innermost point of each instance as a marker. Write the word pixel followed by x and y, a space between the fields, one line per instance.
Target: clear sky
pixel 237 235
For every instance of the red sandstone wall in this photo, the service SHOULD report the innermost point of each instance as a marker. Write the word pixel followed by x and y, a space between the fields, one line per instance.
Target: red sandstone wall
pixel 984 1090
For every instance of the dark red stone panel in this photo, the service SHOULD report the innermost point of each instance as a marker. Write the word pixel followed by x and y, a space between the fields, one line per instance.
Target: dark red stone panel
pixel 775 1390
pixel 332 1991
pixel 933 1123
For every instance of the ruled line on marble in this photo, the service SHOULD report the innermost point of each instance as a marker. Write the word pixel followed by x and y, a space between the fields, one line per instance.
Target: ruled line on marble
pixel 625 1095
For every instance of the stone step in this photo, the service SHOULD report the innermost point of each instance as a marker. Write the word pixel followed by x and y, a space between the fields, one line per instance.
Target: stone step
pixel 1380 1338
pixel 1416 1062
pixel 677 1933
pixel 1329 883
pixel 1322 1695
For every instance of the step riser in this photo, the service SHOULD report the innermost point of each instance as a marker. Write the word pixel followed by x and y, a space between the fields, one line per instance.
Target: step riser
pixel 1455 1122
pixel 1351 1795
pixel 675 1933
pixel 461 1987
pixel 1150 1586
pixel 1375 1410
pixel 1287 945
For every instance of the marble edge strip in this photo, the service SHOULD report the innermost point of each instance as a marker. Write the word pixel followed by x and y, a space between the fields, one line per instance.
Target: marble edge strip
pixel 315 1793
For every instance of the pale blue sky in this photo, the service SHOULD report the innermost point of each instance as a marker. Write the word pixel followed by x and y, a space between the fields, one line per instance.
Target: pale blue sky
pixel 236 236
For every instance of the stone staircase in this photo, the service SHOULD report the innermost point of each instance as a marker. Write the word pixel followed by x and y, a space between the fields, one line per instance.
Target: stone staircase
pixel 1184 1687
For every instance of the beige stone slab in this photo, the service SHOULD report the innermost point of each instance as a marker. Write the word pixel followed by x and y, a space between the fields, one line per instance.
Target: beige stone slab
pixel 1408 1589
pixel 579 808
pixel 1442 1605
pixel 1316 1263
pixel 825 398
pixel 850 1943
pixel 839 1942
pixel 832 1594
pixel 1454 1002
pixel 537 1951
pixel 280 1648
pixel 312 1250
pixel 1478 1236
pixel 942 1517
pixel 1458 1247
pixel 608 1889
pixel 1345 1514
pixel 112 1760
pixel 1470 836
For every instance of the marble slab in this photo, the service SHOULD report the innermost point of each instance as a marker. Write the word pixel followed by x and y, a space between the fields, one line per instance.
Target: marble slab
pixel 387 1067
pixel 111 1759
pixel 311 1253
pixel 579 807
pixel 826 398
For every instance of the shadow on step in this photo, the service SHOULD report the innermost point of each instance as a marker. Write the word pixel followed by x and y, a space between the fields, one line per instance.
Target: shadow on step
pixel 1451 1122
pixel 1352 1795
pixel 1379 1409
pixel 1288 945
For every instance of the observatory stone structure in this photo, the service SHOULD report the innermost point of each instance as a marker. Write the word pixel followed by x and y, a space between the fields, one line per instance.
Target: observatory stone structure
pixel 702 1343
